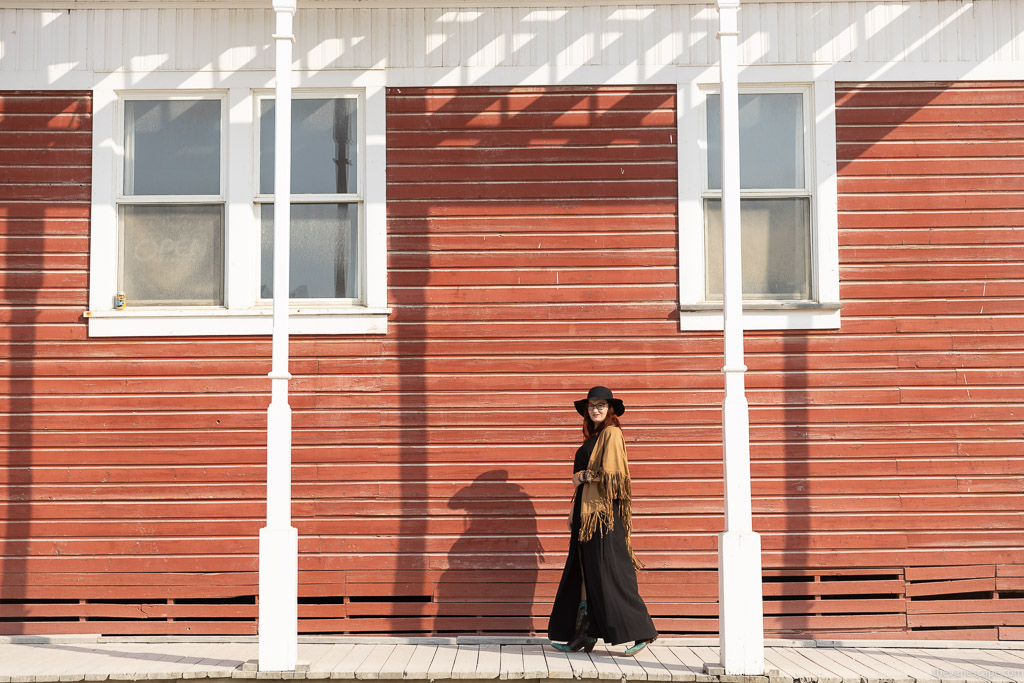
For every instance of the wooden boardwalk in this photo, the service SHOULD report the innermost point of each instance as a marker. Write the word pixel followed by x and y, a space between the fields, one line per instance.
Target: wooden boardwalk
pixel 61 658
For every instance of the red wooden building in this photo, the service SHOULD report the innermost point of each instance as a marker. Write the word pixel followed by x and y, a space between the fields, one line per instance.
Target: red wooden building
pixel 500 206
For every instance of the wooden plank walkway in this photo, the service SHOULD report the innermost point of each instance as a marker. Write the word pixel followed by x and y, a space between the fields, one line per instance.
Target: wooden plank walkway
pixel 65 659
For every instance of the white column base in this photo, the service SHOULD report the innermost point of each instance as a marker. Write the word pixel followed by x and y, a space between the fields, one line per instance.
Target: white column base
pixel 279 588
pixel 740 608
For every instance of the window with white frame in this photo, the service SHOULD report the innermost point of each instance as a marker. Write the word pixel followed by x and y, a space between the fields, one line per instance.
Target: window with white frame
pixel 788 240
pixel 775 211
pixel 182 221
pixel 170 209
pixel 326 198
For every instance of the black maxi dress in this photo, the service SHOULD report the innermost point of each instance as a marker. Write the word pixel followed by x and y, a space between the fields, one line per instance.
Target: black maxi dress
pixel 617 612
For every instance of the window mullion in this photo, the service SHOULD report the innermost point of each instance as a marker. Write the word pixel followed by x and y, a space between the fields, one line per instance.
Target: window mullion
pixel 325 237
pixel 313 199
pixel 172 199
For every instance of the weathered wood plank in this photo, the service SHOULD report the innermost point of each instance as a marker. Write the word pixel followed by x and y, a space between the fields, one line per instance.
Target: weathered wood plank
pixel 899 662
pixel 978 662
pixel 582 666
pixel 443 663
pixel 55 662
pixel 235 655
pixel 688 658
pixel 370 667
pixel 795 667
pixel 465 664
pixel 926 660
pixel 677 670
pixel 397 662
pixel 313 654
pixel 419 663
pixel 854 667
pixel 511 662
pixel 557 663
pixel 632 670
pixel 656 671
pixel 488 664
pixel 823 659
pixel 882 670
pixel 331 657
pixel 706 655
pixel 604 661
pixel 213 663
pixel 534 662
pixel 1014 657
pixel 347 665
pixel 16 658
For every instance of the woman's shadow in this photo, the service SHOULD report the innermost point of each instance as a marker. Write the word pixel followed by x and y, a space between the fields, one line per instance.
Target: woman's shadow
pixel 491 577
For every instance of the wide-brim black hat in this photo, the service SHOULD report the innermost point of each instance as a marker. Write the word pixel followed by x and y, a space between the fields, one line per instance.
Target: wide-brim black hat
pixel 600 394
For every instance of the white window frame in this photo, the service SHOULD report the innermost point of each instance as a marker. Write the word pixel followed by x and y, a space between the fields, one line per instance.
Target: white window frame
pixel 243 312
pixel 695 313
pixel 357 198
pixel 123 199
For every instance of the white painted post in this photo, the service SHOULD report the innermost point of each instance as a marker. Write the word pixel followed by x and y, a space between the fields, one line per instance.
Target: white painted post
pixel 279 540
pixel 741 620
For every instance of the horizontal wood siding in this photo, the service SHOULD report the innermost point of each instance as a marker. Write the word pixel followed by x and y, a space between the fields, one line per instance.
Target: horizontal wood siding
pixel 130 472
pixel 932 268
pixel 532 253
pixel 533 240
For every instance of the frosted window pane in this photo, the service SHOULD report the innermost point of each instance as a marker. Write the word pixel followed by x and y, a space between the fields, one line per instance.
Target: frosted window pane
pixel 776 249
pixel 324 251
pixel 172 147
pixel 324 149
pixel 172 254
pixel 771 141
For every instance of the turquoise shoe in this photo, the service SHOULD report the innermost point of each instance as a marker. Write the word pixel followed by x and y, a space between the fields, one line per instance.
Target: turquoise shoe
pixel 638 646
pixel 577 644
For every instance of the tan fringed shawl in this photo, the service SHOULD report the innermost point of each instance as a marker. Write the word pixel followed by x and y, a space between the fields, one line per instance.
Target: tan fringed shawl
pixel 610 470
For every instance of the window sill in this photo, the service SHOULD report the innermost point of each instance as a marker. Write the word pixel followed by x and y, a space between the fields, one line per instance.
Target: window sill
pixel 190 321
pixel 767 315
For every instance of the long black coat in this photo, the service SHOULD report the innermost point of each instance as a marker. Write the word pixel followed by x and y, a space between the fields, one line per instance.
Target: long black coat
pixel 617 612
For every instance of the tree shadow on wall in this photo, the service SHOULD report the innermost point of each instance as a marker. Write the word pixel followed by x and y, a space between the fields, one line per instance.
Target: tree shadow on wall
pixel 491 577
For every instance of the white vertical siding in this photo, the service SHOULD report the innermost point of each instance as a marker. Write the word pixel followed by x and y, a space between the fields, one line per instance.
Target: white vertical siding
pixel 206 38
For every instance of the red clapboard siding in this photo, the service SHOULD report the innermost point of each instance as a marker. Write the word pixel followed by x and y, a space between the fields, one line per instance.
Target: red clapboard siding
pixel 929 217
pixel 532 253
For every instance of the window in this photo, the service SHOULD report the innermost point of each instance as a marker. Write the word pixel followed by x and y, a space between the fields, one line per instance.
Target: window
pixel 774 199
pixel 788 244
pixel 182 220
pixel 326 200
pixel 171 205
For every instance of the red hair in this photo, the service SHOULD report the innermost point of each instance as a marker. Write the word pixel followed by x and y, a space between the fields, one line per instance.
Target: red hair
pixel 590 430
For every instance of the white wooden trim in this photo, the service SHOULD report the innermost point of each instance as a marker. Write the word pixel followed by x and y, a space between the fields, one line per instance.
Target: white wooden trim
pixel 375 202
pixel 692 159
pixel 150 36
pixel 825 201
pixel 242 313
pixel 530 76
pixel 222 322
pixel 103 229
pixel 363 4
pixel 820 170
pixel 764 320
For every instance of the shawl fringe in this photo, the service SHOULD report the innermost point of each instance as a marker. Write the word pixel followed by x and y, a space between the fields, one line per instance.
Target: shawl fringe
pixel 610 486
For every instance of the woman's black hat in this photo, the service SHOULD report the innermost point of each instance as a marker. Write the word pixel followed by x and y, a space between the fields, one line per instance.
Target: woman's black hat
pixel 600 394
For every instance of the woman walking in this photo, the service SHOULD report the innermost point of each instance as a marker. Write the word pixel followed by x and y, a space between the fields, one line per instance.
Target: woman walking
pixel 597 596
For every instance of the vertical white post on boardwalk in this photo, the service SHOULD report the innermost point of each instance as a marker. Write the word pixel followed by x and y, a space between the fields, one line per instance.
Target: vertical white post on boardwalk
pixel 279 540
pixel 740 612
